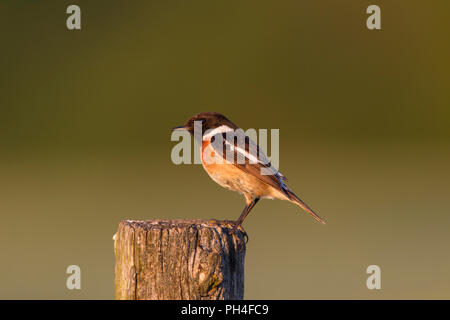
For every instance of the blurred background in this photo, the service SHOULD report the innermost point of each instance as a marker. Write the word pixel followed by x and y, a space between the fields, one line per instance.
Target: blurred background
pixel 364 119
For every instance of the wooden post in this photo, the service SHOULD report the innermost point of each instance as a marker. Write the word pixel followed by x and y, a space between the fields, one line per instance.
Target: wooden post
pixel 179 259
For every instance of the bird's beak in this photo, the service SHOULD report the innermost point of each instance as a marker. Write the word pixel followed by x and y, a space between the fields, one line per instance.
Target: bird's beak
pixel 179 128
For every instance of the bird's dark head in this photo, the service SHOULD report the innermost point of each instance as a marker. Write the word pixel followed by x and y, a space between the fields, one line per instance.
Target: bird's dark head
pixel 208 121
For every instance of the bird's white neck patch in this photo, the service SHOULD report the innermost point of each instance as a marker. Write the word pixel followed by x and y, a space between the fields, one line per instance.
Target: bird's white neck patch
pixel 209 133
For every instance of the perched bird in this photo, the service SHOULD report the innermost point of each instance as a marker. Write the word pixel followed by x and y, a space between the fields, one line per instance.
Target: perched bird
pixel 240 167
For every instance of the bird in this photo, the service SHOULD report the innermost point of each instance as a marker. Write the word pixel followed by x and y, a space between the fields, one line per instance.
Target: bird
pixel 236 162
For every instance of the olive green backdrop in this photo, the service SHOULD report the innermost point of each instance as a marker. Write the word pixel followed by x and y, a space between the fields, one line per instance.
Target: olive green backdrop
pixel 364 119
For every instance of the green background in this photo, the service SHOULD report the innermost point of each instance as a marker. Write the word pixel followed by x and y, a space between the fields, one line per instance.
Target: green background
pixel 364 119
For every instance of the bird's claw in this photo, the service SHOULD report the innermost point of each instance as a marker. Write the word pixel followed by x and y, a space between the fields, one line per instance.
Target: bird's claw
pixel 236 227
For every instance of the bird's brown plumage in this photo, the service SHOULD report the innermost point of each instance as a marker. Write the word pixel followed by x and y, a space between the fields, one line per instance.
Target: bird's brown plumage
pixel 254 176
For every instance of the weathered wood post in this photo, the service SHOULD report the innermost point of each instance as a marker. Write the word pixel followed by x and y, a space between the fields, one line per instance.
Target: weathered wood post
pixel 179 259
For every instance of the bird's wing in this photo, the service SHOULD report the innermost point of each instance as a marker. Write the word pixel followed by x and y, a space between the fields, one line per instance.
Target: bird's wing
pixel 245 154
pixel 241 151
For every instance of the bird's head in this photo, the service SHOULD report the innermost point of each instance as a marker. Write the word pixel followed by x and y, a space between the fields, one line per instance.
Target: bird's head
pixel 208 121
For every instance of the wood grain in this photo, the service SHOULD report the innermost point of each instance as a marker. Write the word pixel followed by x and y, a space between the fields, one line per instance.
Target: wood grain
pixel 179 259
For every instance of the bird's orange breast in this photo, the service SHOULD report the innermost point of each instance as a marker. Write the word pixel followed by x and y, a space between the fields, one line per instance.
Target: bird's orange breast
pixel 205 144
pixel 230 176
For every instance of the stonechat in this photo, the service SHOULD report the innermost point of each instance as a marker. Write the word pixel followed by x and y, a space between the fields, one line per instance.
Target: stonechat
pixel 236 162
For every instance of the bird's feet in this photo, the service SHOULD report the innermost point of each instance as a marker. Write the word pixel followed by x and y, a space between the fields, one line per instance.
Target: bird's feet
pixel 237 227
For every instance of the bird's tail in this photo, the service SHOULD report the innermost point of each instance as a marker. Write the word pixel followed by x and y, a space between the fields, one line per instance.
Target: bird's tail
pixel 294 199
